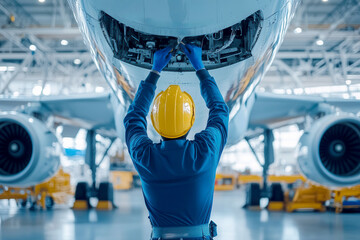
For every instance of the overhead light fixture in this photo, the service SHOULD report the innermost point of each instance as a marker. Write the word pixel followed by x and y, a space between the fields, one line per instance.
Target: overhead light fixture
pixel 3 68
pixel 47 90
pixel 41 1
pixel 32 47
pixel 64 42
pixel 298 91
pixel 37 90
pixel 324 0
pixel 298 30
pixel 319 42
pixel 77 61
pixel 11 68
pixel 99 89
pixel 348 82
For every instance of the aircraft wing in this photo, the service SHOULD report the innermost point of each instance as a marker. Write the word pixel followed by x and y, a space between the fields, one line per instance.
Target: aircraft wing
pixel 89 111
pixel 274 110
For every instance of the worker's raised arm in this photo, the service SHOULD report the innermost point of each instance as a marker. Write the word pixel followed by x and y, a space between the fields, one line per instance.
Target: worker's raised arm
pixel 135 120
pixel 215 134
pixel 217 123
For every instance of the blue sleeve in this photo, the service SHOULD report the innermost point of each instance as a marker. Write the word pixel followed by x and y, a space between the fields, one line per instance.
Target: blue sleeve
pixel 213 138
pixel 136 138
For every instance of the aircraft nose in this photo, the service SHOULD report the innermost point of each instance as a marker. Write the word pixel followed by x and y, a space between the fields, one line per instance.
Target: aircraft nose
pixel 177 11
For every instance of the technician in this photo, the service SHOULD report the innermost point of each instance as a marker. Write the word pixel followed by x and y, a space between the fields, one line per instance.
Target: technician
pixel 178 175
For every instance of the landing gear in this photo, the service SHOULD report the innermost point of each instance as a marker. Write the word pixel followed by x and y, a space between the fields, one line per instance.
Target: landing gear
pixel 105 192
pixel 82 197
pixel 105 196
pixel 277 193
pixel 254 192
pixel 253 195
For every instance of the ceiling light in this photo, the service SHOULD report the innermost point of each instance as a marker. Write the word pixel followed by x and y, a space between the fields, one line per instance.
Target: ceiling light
pixel 298 30
pixel 319 42
pixel 64 42
pixel 348 82
pixel 324 0
pixel 3 68
pixel 77 61
pixel 15 94
pixel 47 90
pixel 298 91
pixel 37 90
pixel 99 89
pixel 41 1
pixel 32 47
pixel 11 68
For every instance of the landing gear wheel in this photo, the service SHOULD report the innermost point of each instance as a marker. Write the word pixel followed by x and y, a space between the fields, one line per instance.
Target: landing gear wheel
pixel 277 193
pixel 253 195
pixel 82 192
pixel 106 192
pixel 49 202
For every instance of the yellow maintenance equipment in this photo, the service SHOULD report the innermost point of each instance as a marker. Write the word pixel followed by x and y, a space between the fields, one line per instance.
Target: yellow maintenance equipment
pixel 276 200
pixel 56 190
pixel 15 193
pixel 341 198
pixel 81 205
pixel 225 182
pixel 276 206
pixel 105 196
pixel 122 180
pixel 244 179
pixel 173 112
pixel 82 198
pixel 307 196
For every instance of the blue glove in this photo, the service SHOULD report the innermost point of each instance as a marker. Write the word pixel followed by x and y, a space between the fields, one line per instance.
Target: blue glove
pixel 194 54
pixel 161 59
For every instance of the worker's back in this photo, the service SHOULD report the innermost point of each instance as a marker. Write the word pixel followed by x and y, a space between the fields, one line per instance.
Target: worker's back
pixel 177 175
pixel 178 182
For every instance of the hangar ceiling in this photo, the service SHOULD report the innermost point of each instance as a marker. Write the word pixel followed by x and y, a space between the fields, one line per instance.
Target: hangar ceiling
pixel 320 53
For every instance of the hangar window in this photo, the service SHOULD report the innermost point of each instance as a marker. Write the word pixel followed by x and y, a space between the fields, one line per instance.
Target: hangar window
pixel 226 47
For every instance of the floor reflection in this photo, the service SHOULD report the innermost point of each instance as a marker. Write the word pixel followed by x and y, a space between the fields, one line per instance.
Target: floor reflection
pixel 129 221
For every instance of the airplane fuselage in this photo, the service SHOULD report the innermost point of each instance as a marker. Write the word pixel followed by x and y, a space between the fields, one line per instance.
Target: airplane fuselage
pixel 239 40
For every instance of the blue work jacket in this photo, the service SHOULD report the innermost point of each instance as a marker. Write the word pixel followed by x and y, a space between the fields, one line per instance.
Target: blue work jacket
pixel 177 176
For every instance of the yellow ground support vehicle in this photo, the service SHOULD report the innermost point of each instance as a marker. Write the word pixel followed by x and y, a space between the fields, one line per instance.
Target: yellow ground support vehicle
pixel 307 196
pixel 56 190
pixel 122 180
pixel 225 182
pixel 244 179
pixel 341 198
pixel 303 196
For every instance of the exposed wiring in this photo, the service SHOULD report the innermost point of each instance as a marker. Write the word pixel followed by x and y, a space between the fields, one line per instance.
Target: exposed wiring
pixel 227 43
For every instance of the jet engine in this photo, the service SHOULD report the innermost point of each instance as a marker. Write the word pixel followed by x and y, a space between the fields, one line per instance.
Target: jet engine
pixel 329 153
pixel 29 151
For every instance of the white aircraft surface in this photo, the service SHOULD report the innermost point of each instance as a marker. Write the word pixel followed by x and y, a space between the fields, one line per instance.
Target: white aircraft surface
pixel 239 41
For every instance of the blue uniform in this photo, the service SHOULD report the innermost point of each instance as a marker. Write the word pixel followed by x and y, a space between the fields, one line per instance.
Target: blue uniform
pixel 178 175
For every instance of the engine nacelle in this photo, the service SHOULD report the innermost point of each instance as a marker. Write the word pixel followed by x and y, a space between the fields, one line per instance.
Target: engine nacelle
pixel 329 153
pixel 29 151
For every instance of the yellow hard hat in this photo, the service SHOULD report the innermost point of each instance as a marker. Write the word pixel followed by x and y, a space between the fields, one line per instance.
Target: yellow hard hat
pixel 173 112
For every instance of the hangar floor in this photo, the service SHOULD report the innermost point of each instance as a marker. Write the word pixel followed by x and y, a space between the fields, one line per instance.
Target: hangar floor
pixel 129 221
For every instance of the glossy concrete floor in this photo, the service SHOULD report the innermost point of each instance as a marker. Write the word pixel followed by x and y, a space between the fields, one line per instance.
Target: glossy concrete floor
pixel 129 221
